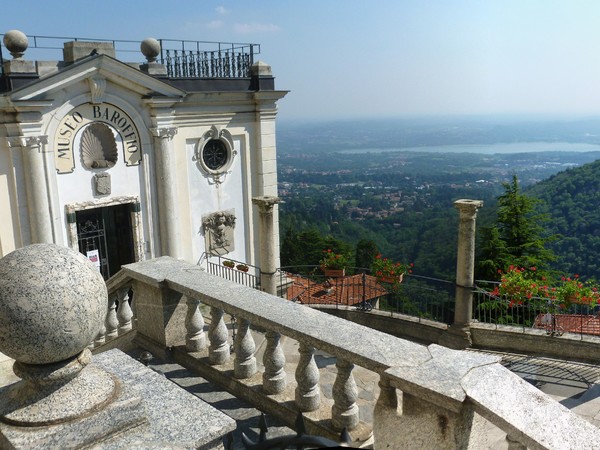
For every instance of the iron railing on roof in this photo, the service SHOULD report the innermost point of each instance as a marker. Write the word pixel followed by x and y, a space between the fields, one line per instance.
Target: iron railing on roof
pixel 182 58
pixel 200 59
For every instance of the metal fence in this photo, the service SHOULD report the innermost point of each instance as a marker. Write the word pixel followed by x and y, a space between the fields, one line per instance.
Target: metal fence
pixel 417 296
pixel 232 270
pixel 535 313
pixel 201 59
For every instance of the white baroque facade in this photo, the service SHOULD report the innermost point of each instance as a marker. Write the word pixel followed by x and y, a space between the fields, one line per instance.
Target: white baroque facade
pixel 123 162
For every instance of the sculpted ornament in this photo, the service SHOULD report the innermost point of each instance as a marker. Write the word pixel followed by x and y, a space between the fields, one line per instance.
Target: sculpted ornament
pixel 98 147
pixel 214 153
pixel 218 232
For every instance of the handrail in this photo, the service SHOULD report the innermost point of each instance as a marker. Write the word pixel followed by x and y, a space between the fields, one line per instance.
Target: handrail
pixel 319 329
pixel 448 382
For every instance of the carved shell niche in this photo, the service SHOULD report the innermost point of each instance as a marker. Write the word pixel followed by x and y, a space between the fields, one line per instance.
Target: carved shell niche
pixel 98 147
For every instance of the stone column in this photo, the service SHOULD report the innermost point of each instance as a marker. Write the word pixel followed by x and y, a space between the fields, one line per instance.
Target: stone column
pixel 38 204
pixel 166 184
pixel 458 335
pixel 267 257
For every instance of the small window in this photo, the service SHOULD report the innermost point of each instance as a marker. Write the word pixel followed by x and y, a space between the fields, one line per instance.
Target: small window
pixel 215 154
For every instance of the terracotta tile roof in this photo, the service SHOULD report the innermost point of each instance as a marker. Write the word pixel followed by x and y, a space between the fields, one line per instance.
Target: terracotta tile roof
pixel 570 323
pixel 347 290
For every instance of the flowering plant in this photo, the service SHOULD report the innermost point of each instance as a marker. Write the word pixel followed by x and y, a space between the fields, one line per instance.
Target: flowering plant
pixel 332 260
pixel 383 267
pixel 573 290
pixel 519 284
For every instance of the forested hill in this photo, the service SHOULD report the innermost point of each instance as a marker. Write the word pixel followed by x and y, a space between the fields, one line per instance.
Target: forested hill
pixel 572 201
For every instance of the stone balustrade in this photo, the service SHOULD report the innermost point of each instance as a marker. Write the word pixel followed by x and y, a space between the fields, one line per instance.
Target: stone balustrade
pixel 120 317
pixel 446 395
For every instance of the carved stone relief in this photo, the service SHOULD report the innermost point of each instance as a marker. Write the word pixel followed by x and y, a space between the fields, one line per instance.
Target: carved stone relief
pixel 98 147
pixel 102 183
pixel 218 232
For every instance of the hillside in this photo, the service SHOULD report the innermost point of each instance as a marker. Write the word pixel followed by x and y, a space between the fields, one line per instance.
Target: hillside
pixel 572 201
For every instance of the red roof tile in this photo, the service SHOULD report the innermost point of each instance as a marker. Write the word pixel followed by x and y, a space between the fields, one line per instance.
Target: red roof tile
pixel 349 290
pixel 570 323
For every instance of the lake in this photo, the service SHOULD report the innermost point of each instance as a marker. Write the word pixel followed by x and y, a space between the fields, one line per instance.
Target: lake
pixel 489 149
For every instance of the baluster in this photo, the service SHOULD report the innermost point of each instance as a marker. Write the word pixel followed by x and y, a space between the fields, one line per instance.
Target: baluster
pixel 274 380
pixel 228 66
pixel 344 413
pixel 245 362
pixel 124 312
pixel 100 337
pixel 204 64
pixel 169 64
pixel 218 351
pixel 195 339
pixel 176 63
pixel 247 64
pixel 193 65
pixel 238 65
pixel 111 323
pixel 308 396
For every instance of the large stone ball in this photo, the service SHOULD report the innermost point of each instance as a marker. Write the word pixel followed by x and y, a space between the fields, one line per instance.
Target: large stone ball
pixel 53 303
pixel 150 48
pixel 16 42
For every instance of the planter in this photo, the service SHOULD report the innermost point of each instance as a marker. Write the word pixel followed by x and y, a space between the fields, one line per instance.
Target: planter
pixel 392 280
pixel 242 268
pixel 334 273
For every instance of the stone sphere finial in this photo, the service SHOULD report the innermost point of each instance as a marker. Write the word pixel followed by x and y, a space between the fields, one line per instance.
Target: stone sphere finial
pixel 16 42
pixel 150 48
pixel 53 303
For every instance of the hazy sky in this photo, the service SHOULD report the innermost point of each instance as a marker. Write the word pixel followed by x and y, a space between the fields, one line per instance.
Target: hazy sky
pixel 343 59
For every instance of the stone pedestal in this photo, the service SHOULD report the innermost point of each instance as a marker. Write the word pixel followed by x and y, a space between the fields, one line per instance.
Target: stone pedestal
pixel 148 411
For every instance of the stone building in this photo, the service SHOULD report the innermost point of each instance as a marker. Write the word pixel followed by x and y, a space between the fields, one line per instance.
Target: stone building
pixel 130 161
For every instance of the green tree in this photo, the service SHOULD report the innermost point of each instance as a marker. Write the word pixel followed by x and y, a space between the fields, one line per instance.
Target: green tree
pixel 366 251
pixel 493 253
pixel 518 235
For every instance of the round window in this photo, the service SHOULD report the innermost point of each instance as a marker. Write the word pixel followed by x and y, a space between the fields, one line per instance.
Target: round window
pixel 215 154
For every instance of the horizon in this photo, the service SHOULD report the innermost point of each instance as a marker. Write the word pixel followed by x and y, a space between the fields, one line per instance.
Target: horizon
pixel 347 60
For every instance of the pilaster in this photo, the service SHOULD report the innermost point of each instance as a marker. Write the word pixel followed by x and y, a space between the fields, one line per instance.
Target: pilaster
pixel 38 204
pixel 166 183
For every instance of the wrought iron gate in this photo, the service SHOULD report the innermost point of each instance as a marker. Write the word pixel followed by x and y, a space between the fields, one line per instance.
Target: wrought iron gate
pixel 92 240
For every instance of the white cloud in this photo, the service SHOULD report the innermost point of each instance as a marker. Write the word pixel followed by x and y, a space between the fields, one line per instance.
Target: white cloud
pixel 221 10
pixel 247 28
